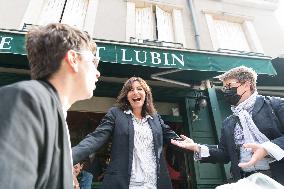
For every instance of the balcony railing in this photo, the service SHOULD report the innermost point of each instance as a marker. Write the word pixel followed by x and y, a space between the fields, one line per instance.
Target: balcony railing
pixel 156 42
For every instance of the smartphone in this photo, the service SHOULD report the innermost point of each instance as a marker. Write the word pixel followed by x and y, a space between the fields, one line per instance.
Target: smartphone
pixel 179 139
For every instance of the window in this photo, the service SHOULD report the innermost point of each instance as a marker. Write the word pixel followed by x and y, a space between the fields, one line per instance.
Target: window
pixel 232 33
pixel 148 23
pixel 71 12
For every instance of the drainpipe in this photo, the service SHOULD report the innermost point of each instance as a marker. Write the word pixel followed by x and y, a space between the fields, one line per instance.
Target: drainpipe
pixel 195 28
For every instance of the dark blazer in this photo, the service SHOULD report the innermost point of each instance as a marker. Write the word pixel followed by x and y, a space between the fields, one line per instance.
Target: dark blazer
pixel 268 116
pixel 119 126
pixel 33 138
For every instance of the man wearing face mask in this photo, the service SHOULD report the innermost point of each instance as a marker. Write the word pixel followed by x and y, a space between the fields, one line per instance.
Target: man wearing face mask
pixel 252 137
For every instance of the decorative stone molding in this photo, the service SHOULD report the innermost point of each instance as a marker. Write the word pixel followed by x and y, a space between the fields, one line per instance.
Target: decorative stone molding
pixel 260 4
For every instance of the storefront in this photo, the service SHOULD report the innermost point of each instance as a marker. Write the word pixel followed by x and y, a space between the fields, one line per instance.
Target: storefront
pixel 177 76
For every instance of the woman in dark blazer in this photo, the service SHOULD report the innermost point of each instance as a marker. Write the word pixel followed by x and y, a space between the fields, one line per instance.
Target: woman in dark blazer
pixel 138 134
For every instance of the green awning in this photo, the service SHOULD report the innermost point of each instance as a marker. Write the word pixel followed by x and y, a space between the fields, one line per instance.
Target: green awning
pixel 202 64
pixel 180 58
pixel 277 80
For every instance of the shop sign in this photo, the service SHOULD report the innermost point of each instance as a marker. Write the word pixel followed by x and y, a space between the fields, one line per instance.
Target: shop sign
pixel 113 53
pixel 12 43
pixel 140 56
pixel 5 43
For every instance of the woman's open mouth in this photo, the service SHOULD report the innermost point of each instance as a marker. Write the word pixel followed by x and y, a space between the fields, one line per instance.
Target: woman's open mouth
pixel 136 99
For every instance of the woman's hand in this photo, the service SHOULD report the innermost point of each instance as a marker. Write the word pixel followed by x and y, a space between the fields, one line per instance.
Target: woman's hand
pixel 186 143
pixel 77 169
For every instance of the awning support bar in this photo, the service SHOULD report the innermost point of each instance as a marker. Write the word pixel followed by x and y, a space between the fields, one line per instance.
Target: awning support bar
pixel 157 77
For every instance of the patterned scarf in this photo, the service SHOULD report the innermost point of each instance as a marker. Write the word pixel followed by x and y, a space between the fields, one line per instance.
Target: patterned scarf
pixel 250 131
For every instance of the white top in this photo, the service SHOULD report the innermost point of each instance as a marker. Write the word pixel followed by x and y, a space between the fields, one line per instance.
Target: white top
pixel 144 166
pixel 68 137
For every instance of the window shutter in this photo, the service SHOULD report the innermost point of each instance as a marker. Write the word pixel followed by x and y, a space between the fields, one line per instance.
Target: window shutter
pixel 178 27
pixel 130 21
pixel 164 25
pixel 75 13
pixel 144 23
pixel 212 31
pixel 51 11
pixel 231 35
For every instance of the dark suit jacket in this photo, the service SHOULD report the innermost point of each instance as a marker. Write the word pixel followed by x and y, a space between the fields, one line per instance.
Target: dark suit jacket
pixel 120 126
pixel 33 138
pixel 268 115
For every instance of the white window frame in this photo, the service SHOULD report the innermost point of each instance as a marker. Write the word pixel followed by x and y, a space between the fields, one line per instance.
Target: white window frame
pixel 260 4
pixel 246 23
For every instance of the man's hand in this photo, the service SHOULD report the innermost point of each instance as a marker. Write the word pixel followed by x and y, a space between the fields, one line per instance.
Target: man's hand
pixel 258 154
pixel 186 143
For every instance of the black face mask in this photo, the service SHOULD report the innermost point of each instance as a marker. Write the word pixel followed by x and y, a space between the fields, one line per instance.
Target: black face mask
pixel 231 96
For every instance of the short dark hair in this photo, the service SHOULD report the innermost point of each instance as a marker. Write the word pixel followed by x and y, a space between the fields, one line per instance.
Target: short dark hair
pixel 123 103
pixel 47 45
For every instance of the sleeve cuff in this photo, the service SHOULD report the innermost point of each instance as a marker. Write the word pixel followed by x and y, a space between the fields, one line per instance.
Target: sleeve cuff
pixel 203 152
pixel 273 150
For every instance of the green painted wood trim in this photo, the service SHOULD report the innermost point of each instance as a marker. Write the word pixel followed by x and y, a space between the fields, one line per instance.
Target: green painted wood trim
pixel 169 118
pixel 215 109
pixel 218 119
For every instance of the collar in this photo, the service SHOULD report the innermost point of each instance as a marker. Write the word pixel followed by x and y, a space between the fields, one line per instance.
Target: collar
pixel 64 110
pixel 258 105
pixel 131 113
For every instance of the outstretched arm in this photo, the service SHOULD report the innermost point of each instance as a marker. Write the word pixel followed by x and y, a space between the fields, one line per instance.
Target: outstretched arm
pixel 206 153
pixel 186 143
pixel 94 140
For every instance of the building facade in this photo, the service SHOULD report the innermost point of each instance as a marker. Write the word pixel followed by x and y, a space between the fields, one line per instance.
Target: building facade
pixel 224 24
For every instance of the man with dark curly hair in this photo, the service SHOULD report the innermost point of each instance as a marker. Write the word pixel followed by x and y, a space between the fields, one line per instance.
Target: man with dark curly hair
pixel 34 137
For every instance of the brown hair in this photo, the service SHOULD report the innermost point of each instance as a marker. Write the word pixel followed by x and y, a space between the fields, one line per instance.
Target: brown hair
pixel 242 74
pixel 123 103
pixel 47 46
